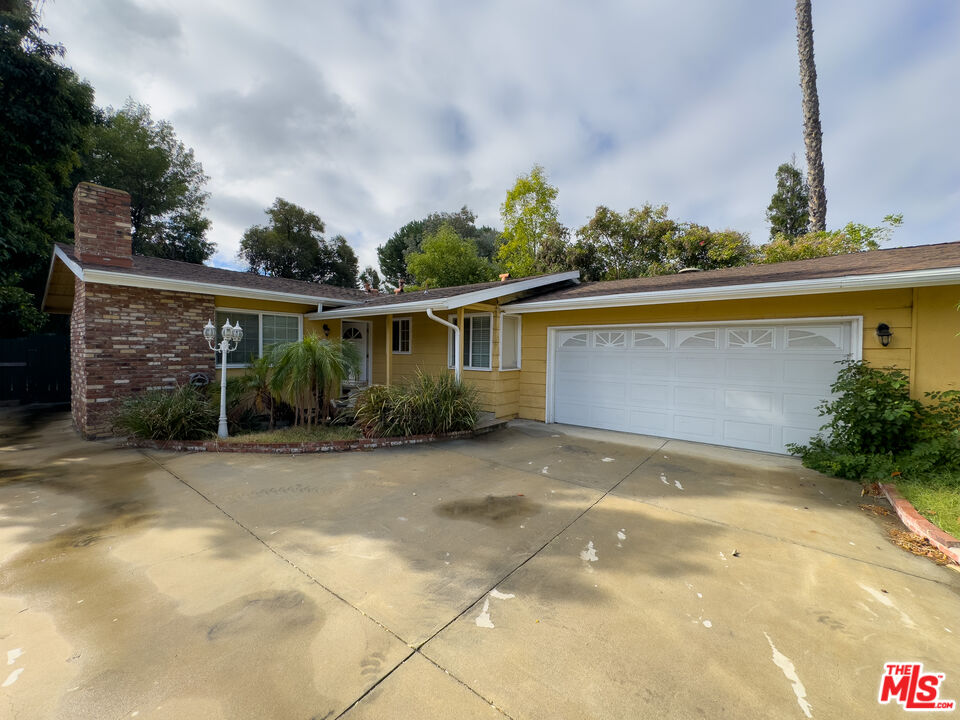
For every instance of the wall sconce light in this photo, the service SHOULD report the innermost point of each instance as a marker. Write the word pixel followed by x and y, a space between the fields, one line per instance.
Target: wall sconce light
pixel 326 330
pixel 884 333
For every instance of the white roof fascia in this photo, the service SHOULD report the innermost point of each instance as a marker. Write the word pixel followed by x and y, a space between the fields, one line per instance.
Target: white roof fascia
pixel 848 283
pixel 72 264
pixel 452 302
pixel 159 283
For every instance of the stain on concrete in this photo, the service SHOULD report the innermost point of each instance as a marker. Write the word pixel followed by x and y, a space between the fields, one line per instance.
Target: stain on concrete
pixel 493 510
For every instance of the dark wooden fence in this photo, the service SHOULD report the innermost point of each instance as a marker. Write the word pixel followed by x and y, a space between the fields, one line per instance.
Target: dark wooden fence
pixel 35 369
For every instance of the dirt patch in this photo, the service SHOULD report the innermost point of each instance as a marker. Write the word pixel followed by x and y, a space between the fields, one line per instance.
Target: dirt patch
pixel 493 510
pixel 875 509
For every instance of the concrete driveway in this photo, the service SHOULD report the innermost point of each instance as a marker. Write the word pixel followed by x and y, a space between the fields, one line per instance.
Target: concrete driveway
pixel 538 572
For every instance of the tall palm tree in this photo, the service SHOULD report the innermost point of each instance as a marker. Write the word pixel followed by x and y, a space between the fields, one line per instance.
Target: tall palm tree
pixel 308 374
pixel 812 135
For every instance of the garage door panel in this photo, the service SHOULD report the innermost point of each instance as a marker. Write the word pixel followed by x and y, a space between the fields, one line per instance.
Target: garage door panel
pixel 755 387
pixel 570 362
pixel 753 369
pixel 610 417
pixel 611 364
pixel 695 397
pixel 608 392
pixel 651 366
pixel 751 400
pixel 649 423
pixel 812 370
pixel 738 432
pixel 802 405
pixel 650 395
pixel 798 435
pixel 694 426
pixel 698 367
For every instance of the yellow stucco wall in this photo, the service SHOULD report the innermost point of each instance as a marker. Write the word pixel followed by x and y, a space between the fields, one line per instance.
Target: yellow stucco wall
pixel 894 307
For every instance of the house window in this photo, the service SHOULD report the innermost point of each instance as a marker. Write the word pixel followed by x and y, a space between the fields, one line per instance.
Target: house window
pixel 401 336
pixel 261 331
pixel 477 342
pixel 509 342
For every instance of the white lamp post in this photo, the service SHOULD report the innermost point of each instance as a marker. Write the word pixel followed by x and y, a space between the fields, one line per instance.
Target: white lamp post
pixel 230 334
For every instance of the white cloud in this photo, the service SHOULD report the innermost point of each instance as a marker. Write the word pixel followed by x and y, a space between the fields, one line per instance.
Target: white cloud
pixel 372 114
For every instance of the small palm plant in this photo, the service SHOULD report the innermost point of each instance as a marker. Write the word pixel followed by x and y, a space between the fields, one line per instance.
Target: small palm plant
pixel 308 374
pixel 255 382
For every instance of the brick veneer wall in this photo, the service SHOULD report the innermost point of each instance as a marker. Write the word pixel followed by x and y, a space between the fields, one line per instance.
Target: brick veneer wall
pixel 125 340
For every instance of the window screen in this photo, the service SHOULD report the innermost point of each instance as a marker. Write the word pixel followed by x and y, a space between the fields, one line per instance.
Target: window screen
pixel 478 341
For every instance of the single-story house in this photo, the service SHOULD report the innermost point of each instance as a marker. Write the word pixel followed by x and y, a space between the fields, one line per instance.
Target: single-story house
pixel 738 357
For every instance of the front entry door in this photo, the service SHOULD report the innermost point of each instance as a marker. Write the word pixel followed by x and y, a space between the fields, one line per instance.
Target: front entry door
pixel 356 334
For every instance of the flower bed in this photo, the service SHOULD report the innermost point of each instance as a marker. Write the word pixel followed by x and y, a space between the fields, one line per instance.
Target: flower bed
pixel 297 448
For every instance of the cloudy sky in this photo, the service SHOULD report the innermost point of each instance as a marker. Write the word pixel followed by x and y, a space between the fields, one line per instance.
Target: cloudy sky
pixel 373 112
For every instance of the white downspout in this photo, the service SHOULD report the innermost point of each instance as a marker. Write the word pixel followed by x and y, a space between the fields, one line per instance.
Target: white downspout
pixel 456 341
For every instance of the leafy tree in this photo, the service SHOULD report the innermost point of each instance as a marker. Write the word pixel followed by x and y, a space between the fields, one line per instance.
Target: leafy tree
pixel 854 237
pixel 623 245
pixel 393 254
pixel 812 135
pixel 131 151
pixel 529 215
pixel 343 263
pixel 697 246
pixel 371 277
pixel 292 246
pixel 789 212
pixel 446 259
pixel 45 111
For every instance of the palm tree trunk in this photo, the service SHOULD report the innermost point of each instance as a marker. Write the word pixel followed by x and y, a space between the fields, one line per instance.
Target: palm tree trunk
pixel 812 135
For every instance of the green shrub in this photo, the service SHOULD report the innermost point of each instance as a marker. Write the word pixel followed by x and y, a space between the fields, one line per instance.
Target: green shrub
pixel 241 416
pixel 876 430
pixel 425 405
pixel 181 414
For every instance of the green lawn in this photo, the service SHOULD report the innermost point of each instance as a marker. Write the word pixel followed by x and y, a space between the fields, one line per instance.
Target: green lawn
pixel 937 499
pixel 321 433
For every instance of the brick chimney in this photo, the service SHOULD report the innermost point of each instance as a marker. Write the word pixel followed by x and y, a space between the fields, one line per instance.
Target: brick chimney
pixel 101 225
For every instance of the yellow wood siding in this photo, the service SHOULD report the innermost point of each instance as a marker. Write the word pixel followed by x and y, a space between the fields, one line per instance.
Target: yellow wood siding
pixel 937 350
pixel 428 352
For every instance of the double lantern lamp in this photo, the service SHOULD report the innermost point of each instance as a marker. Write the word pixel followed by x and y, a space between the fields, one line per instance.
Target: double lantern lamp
pixel 232 335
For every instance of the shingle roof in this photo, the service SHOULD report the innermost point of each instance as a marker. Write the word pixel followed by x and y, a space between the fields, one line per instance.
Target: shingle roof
pixel 874 262
pixel 439 293
pixel 192 272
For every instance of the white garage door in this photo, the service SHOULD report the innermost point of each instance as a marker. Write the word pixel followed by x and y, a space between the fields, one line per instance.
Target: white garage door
pixel 749 386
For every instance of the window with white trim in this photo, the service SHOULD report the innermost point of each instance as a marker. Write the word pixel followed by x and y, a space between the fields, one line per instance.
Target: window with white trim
pixel 477 342
pixel 261 331
pixel 401 336
pixel 510 342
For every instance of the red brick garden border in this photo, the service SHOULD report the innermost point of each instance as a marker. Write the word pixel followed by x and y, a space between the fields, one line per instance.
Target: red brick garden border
pixel 917 523
pixel 298 448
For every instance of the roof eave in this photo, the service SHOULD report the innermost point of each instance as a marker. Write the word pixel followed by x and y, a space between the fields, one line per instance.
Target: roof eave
pixel 846 283
pixel 452 302
pixel 109 277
